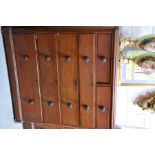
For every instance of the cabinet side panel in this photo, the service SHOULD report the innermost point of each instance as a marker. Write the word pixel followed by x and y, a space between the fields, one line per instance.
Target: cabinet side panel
pixel 12 72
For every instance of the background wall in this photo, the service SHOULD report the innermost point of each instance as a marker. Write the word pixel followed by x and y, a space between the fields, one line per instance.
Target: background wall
pixel 128 114
pixel 6 114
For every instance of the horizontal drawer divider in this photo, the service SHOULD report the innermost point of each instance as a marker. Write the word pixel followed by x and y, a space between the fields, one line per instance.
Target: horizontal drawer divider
pixel 103 84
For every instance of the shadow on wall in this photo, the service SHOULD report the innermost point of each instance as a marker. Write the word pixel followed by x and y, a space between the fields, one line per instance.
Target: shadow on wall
pixel 6 118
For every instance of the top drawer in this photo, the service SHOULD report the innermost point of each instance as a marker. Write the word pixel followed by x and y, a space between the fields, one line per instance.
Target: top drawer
pixel 103 57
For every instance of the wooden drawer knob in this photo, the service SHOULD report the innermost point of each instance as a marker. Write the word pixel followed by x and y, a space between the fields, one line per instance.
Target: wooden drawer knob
pixel 103 59
pixel 50 103
pixel 69 105
pixel 47 58
pixel 30 101
pixel 85 107
pixel 86 59
pixel 67 58
pixel 101 108
pixel 25 57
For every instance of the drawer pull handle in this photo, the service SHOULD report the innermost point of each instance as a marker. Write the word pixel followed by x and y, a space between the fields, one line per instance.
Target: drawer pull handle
pixel 101 108
pixel 103 59
pixel 25 57
pixel 47 58
pixel 30 101
pixel 86 59
pixel 67 58
pixel 50 103
pixel 85 107
pixel 69 105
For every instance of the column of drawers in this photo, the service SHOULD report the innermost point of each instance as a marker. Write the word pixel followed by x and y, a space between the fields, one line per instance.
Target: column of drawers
pixel 63 78
pixel 104 79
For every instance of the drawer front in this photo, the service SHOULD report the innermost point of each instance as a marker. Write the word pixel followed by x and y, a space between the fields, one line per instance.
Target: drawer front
pixel 47 53
pixel 26 57
pixel 86 69
pixel 103 57
pixel 103 107
pixel 68 68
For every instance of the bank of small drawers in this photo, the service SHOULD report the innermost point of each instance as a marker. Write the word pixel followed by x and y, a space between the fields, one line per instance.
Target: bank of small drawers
pixel 64 78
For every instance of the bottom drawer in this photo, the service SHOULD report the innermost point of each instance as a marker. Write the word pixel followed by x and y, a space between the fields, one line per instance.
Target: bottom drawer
pixel 103 108
pixel 50 126
pixel 32 125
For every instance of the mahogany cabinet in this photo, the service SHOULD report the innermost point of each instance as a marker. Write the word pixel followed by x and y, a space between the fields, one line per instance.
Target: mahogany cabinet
pixel 62 77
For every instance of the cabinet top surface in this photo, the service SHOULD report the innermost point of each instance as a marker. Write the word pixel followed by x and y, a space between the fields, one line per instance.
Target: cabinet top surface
pixel 46 29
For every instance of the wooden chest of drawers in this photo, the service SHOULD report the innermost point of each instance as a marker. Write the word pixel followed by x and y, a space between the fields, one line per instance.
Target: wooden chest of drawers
pixel 62 77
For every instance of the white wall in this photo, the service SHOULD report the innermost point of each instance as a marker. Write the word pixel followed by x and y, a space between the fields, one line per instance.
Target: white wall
pixel 6 114
pixel 128 114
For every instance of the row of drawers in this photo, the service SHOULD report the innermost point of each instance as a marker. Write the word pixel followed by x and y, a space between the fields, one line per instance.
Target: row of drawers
pixel 58 75
pixel 97 116
pixel 69 47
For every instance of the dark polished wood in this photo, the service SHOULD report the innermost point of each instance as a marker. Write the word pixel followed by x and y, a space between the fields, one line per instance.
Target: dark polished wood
pixel 103 57
pixel 115 67
pixel 28 125
pixel 49 29
pixel 47 55
pixel 12 72
pixel 103 107
pixel 87 81
pixel 53 126
pixel 26 58
pixel 68 57
pixel 62 77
